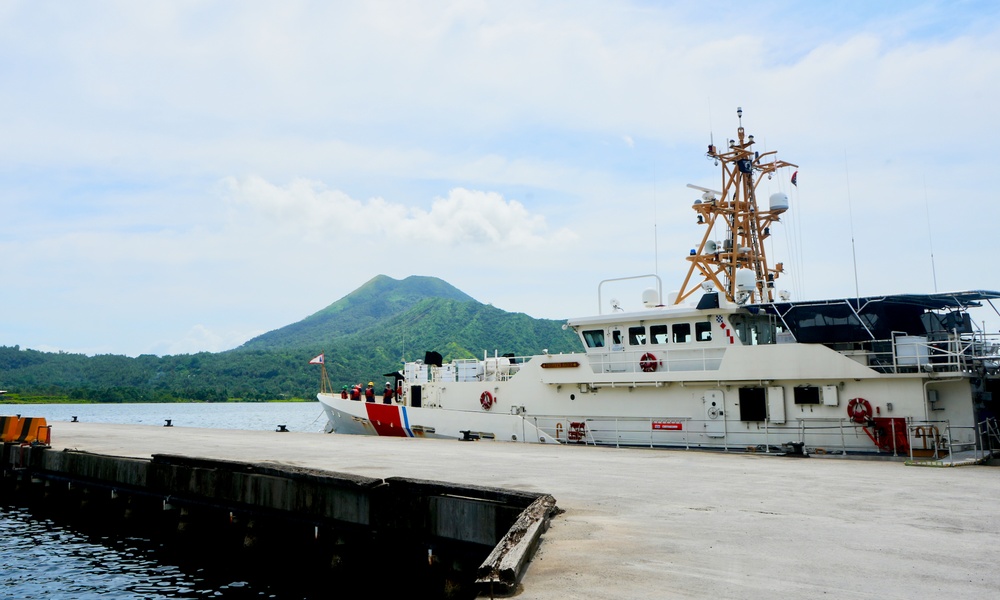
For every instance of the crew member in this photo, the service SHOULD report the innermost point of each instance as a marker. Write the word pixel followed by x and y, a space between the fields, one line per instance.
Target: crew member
pixel 370 392
pixel 343 393
pixel 356 392
pixel 387 394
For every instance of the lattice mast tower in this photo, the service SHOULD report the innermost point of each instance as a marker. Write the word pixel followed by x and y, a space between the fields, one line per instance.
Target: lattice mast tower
pixel 737 264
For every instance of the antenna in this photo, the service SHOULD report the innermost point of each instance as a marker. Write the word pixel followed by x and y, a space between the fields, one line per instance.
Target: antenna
pixel 656 236
pixel 930 238
pixel 711 134
pixel 850 215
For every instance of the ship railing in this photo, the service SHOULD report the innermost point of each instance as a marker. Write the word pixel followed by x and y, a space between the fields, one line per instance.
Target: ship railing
pixel 471 369
pixel 951 443
pixel 820 435
pixel 938 353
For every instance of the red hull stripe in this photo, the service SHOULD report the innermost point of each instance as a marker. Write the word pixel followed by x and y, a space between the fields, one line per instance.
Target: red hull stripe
pixel 386 419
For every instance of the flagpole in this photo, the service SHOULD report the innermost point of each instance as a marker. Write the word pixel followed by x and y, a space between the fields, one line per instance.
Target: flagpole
pixel 325 387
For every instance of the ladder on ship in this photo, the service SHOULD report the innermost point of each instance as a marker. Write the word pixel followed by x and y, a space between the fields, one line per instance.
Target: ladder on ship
pixel 989 434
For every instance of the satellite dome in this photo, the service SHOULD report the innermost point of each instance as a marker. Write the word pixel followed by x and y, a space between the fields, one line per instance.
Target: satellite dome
pixel 650 298
pixel 778 201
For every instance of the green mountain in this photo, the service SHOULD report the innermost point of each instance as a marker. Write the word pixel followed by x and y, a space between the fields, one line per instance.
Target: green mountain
pixel 365 308
pixel 372 330
pixel 364 335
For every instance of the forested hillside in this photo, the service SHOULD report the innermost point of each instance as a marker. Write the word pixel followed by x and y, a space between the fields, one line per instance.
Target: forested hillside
pixel 363 335
pixel 364 308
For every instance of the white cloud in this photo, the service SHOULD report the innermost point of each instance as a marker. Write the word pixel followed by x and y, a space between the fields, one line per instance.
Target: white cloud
pixel 182 172
pixel 465 217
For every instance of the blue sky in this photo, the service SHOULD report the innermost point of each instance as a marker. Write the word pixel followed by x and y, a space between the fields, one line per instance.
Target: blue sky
pixel 181 176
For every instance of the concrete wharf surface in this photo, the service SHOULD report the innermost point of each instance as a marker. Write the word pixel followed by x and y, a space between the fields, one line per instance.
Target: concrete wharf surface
pixel 671 524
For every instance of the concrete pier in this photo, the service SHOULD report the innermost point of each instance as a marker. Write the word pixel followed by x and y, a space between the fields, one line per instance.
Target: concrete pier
pixel 670 524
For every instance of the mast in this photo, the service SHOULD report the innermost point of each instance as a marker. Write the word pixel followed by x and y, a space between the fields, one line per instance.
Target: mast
pixel 737 264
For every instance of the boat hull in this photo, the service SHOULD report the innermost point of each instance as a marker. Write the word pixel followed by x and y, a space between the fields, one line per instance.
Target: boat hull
pixel 398 420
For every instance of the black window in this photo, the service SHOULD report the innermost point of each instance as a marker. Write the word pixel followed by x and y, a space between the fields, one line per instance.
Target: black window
pixel 682 333
pixel 637 336
pixel 807 395
pixel 703 331
pixel 753 404
pixel 659 333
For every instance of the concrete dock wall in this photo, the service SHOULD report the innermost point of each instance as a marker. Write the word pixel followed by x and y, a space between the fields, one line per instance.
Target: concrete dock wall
pixel 462 539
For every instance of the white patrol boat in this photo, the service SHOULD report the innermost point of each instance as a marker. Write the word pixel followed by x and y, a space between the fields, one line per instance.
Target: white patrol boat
pixel 727 363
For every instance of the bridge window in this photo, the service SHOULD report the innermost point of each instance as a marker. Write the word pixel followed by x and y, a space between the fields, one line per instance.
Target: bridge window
pixel 682 333
pixel 594 338
pixel 703 331
pixel 637 336
pixel 659 334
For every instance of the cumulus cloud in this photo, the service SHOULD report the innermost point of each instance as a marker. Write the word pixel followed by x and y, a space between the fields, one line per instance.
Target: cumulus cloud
pixel 463 217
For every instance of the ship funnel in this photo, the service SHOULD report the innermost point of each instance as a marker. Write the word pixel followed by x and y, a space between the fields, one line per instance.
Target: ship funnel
pixel 650 298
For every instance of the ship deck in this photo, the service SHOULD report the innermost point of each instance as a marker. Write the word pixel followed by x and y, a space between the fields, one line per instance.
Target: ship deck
pixel 671 524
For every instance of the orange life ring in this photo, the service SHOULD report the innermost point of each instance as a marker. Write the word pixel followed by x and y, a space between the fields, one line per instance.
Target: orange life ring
pixel 648 362
pixel 486 400
pixel 859 410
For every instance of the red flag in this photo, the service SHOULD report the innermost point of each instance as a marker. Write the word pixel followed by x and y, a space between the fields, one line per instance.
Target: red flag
pixel 317 361
pixel 795 179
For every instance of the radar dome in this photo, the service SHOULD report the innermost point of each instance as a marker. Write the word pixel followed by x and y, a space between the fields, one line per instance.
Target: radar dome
pixel 746 280
pixel 650 298
pixel 779 201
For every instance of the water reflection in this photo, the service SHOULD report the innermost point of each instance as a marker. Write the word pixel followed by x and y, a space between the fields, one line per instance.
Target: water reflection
pixel 41 558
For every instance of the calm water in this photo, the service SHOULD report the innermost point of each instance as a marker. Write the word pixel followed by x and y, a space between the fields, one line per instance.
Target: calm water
pixel 262 416
pixel 41 558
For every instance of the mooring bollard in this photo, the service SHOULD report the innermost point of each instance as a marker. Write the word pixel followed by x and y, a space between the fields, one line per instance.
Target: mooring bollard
pixel 168 423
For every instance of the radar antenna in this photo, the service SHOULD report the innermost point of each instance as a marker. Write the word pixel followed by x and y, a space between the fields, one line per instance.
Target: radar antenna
pixel 737 264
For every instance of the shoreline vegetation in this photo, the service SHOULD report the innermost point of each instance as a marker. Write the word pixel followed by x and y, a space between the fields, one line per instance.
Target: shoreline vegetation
pixel 365 336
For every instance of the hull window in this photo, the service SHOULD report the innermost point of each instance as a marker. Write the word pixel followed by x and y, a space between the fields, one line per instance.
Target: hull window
pixel 703 331
pixel 682 333
pixel 659 334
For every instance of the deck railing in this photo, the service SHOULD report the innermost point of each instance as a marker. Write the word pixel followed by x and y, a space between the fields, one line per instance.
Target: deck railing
pixel 924 439
pixel 936 353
